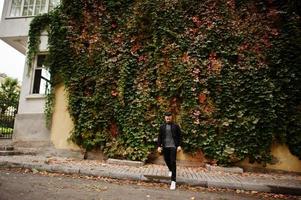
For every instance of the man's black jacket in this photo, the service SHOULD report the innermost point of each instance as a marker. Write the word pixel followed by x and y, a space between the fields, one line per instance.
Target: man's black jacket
pixel 176 135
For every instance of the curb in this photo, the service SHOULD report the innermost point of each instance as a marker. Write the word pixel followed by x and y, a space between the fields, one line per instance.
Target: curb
pixel 9 153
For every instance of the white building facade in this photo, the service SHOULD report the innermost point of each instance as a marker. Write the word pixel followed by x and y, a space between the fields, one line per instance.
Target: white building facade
pixel 30 125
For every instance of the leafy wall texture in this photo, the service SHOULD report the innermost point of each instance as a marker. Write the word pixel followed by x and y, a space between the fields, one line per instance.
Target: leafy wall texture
pixel 228 70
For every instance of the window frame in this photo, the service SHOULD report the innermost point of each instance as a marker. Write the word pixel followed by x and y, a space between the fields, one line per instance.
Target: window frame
pixel 36 67
pixel 8 15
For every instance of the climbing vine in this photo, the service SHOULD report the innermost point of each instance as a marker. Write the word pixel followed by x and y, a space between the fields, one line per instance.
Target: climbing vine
pixel 218 65
pixel 37 25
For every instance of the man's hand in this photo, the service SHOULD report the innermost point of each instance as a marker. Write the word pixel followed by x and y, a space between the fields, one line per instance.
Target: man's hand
pixel 159 149
pixel 179 149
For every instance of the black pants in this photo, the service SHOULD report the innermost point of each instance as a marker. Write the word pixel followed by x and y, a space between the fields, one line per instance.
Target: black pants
pixel 170 156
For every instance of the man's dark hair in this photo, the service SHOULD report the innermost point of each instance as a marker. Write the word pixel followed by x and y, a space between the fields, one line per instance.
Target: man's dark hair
pixel 167 114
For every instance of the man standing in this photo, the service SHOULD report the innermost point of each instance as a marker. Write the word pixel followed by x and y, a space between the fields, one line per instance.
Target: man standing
pixel 169 140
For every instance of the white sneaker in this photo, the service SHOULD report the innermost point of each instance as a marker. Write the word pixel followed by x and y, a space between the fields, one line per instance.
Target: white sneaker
pixel 169 173
pixel 173 185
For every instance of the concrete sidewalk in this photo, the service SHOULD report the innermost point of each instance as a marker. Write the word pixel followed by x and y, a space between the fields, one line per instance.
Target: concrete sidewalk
pixel 275 183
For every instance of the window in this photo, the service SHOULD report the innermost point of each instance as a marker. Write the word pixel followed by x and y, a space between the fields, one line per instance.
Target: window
pixel 15 8
pixel 53 4
pixel 22 8
pixel 28 8
pixel 41 79
pixel 40 6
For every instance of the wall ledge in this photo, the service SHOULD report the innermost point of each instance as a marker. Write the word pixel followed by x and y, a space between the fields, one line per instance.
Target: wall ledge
pixel 35 96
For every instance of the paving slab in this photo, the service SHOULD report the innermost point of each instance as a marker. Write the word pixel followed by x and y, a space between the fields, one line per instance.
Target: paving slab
pixel 125 162
pixel 224 169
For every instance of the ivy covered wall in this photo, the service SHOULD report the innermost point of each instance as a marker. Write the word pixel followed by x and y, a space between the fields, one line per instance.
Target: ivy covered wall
pixel 228 70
